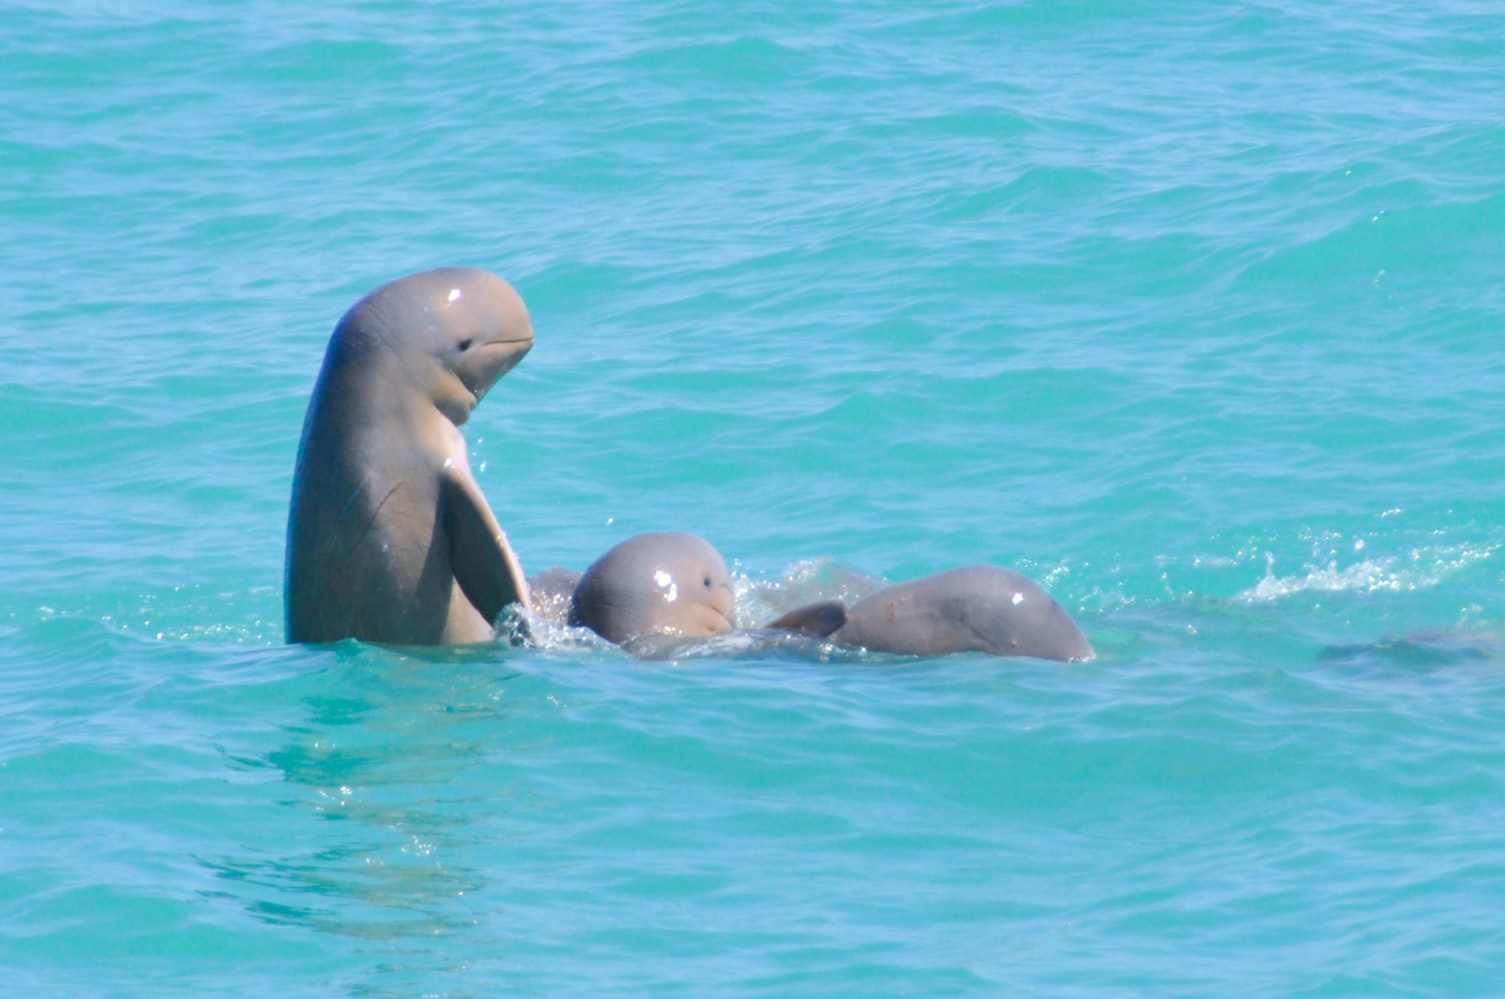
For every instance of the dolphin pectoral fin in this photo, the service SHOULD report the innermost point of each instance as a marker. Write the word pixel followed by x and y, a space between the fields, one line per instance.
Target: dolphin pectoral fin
pixel 820 619
pixel 484 564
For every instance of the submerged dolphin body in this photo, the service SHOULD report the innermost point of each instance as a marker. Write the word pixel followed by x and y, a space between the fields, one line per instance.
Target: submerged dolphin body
pixel 976 608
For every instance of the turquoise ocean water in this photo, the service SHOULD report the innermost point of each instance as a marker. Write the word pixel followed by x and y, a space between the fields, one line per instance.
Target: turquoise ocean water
pixel 1191 311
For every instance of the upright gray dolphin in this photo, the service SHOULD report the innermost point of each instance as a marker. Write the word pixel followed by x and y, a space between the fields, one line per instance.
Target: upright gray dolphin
pixel 663 585
pixel 977 608
pixel 389 538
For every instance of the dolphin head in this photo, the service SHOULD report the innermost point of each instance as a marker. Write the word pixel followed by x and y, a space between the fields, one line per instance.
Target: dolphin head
pixel 658 584
pixel 453 332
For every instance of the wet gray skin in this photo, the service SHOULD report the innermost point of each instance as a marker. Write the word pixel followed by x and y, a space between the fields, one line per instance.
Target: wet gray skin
pixel 651 587
pixel 977 608
pixel 389 537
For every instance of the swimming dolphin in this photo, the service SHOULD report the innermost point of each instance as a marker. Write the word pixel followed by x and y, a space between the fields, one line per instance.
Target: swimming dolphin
pixel 656 586
pixel 976 608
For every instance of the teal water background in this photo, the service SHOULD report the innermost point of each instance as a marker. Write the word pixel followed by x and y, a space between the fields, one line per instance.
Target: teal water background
pixel 1192 311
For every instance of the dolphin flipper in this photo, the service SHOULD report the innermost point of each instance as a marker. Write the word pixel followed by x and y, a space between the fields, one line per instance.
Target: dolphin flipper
pixel 484 564
pixel 819 620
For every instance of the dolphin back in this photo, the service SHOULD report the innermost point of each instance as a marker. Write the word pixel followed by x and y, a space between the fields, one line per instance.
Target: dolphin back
pixel 976 608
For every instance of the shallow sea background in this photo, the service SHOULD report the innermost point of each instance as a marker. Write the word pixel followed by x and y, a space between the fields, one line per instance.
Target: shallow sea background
pixel 1191 311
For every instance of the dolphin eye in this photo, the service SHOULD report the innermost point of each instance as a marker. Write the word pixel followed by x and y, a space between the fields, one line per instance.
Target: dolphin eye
pixel 708 582
pixel 465 344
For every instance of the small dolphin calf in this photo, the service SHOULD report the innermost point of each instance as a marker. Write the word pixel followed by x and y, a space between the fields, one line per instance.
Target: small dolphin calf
pixel 977 608
pixel 663 585
pixel 388 537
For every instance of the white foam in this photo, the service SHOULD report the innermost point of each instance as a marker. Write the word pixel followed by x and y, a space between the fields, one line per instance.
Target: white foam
pixel 1417 569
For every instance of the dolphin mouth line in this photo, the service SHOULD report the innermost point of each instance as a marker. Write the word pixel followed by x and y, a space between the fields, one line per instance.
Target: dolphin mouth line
pixel 730 617
pixel 477 396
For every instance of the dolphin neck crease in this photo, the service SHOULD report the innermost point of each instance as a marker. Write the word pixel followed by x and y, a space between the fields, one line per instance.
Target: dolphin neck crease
pixel 407 396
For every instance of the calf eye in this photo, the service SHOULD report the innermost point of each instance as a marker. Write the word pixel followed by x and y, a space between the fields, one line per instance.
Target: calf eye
pixel 465 344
